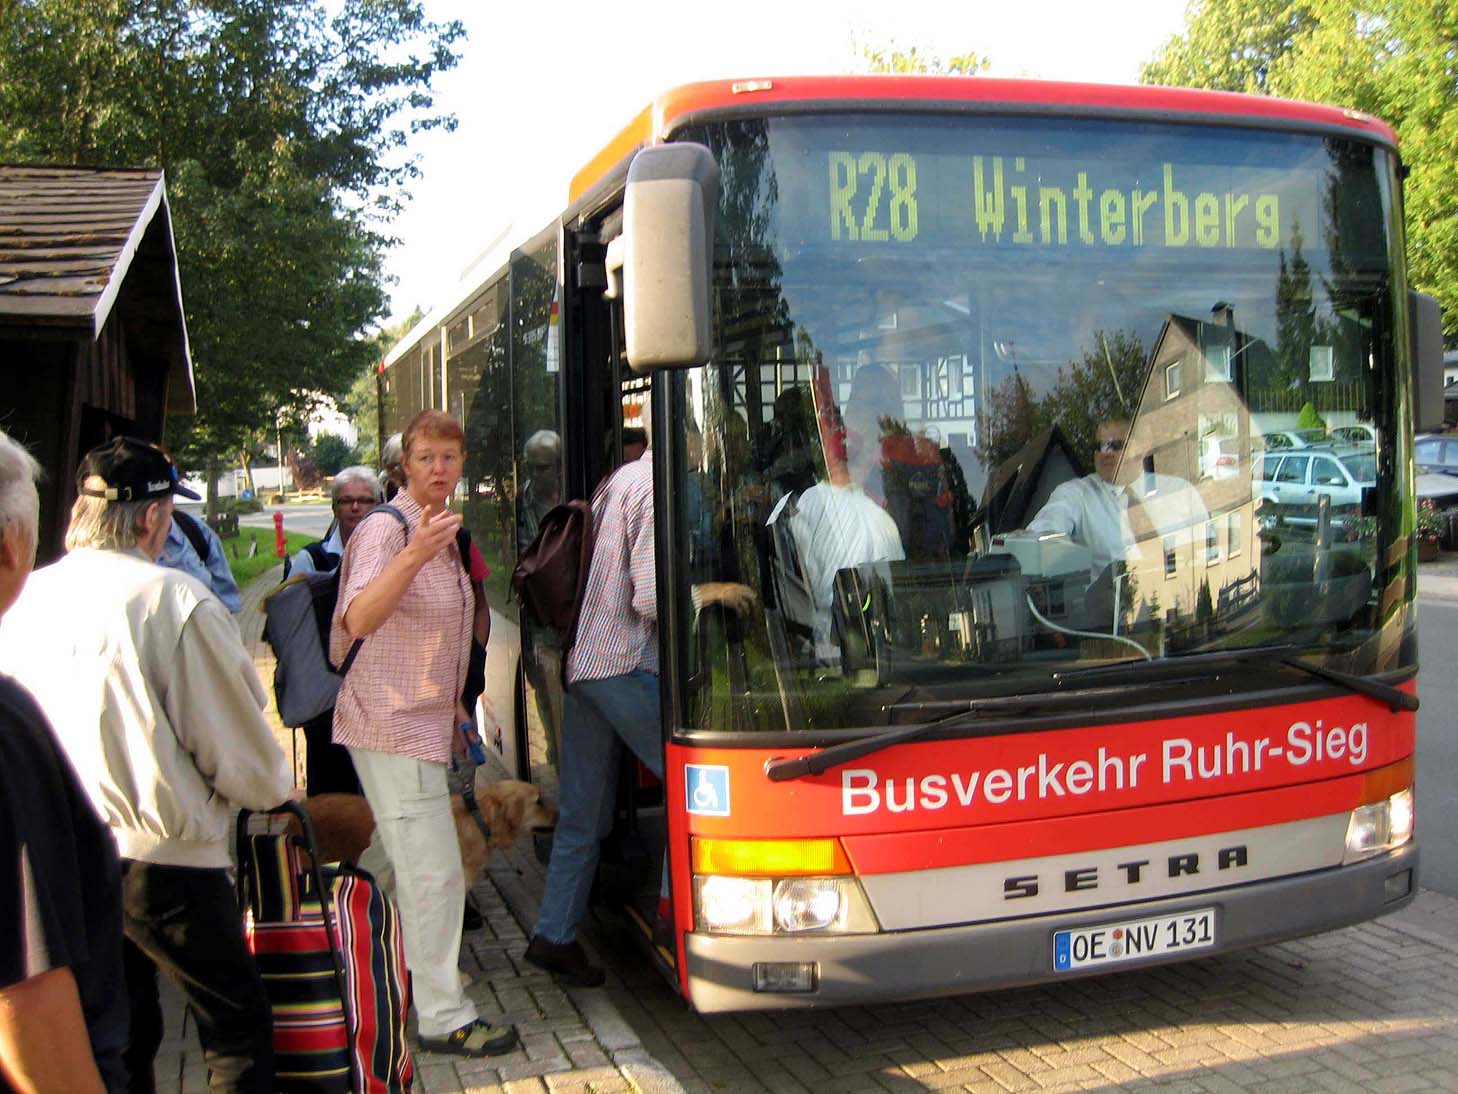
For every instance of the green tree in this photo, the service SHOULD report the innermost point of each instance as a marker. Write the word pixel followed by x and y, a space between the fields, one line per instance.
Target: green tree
pixel 1231 45
pixel 1104 383
pixel 890 59
pixel 331 454
pixel 281 128
pixel 1396 59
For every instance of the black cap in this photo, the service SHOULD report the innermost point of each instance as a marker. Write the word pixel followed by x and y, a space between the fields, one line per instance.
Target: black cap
pixel 133 470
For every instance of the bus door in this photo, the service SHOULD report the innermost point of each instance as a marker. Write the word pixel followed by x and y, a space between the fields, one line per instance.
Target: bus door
pixel 606 427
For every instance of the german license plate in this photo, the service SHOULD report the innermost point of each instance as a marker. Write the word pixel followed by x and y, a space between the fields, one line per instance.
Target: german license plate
pixel 1131 939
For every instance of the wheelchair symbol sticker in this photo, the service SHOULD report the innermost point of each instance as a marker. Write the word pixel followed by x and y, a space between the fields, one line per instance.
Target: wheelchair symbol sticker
pixel 707 789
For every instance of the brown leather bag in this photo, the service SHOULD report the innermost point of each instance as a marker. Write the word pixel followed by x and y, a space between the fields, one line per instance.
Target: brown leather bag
pixel 551 574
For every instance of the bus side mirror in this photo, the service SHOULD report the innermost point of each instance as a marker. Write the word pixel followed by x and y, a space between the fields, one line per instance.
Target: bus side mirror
pixel 1425 321
pixel 666 256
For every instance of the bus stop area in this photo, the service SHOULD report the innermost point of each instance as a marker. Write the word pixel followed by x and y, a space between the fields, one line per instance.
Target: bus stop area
pixel 1369 1008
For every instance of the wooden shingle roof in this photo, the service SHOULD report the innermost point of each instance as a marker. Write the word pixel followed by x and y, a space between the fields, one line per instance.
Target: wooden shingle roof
pixel 69 239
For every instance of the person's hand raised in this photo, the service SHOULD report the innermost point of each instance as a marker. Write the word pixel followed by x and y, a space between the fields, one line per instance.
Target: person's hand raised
pixel 437 528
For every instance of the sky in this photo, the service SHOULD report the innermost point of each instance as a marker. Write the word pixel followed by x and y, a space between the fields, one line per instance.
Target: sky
pixel 542 86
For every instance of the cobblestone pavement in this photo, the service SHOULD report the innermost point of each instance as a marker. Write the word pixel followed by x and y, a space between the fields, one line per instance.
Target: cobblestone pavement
pixel 1368 1008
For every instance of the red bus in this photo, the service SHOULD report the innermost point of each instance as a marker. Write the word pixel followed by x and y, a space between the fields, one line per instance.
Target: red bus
pixel 1056 664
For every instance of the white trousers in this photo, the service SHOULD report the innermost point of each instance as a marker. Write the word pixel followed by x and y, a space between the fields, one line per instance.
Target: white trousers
pixel 414 829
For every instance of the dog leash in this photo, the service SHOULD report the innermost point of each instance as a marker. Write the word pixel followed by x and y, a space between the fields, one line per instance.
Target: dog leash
pixel 468 796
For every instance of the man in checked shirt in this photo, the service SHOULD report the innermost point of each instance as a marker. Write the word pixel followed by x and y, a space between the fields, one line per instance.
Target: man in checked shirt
pixel 612 700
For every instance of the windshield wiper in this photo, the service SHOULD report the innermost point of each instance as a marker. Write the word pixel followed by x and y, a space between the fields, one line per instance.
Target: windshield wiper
pixel 1395 698
pixel 782 770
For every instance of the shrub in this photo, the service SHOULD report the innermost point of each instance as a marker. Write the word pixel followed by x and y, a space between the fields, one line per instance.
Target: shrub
pixel 1309 418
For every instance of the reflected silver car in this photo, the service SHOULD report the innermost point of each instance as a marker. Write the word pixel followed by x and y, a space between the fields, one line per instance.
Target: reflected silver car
pixel 1292 483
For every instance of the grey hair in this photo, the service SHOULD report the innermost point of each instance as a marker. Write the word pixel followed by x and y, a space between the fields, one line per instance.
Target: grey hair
pixel 19 500
pixel 358 473
pixel 543 440
pixel 393 454
pixel 106 525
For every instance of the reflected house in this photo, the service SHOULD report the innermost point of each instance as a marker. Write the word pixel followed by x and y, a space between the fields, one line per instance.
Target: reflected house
pixel 1021 485
pixel 92 333
pixel 1192 424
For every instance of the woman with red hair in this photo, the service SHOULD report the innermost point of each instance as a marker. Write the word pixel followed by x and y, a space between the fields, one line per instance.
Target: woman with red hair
pixel 407 601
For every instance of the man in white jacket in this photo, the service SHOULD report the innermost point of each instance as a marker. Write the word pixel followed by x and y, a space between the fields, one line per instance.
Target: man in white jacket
pixel 158 707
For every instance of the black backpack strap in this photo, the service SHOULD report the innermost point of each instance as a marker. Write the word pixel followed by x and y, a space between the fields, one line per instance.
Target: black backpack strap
pixel 323 560
pixel 194 533
pixel 463 547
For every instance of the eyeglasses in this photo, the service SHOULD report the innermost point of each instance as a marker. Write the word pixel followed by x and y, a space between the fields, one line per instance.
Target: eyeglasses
pixel 1114 445
pixel 352 502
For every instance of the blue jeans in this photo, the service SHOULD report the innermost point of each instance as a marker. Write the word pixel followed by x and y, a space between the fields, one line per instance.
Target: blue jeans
pixel 598 718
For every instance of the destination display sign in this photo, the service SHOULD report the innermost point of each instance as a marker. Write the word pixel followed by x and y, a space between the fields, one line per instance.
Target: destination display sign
pixel 995 188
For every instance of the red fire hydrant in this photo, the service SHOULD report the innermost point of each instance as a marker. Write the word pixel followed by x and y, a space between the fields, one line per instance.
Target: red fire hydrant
pixel 280 545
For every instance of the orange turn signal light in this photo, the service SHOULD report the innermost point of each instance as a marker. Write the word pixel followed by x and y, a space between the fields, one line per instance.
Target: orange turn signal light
pixel 769 857
pixel 1382 783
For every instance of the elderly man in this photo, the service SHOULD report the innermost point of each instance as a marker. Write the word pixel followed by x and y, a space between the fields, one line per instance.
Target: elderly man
pixel 142 672
pixel 63 1006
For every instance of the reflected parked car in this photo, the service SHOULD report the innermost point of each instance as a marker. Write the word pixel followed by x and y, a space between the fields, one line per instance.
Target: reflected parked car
pixel 1360 434
pixel 1436 454
pixel 1293 482
pixel 1293 438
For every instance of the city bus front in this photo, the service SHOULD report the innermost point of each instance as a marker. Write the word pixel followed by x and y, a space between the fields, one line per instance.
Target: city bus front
pixel 1055 662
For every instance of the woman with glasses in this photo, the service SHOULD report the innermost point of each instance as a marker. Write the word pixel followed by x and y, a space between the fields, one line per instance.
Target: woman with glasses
pixel 327 766
pixel 355 492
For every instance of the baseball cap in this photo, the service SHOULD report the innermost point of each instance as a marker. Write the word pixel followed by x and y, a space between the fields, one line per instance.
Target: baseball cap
pixel 133 470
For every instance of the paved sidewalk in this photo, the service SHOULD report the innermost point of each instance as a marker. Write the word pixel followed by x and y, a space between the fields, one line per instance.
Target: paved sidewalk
pixel 1440 577
pixel 571 1041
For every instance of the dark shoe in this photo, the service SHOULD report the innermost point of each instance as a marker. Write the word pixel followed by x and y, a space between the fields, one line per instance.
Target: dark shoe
pixel 476 1038
pixel 470 918
pixel 567 962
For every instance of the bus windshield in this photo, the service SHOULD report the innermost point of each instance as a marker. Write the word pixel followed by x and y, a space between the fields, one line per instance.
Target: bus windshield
pixel 997 399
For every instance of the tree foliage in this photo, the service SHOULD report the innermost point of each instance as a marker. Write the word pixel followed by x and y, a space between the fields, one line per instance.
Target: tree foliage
pixel 1396 59
pixel 1104 383
pixel 890 59
pixel 281 126
pixel 331 454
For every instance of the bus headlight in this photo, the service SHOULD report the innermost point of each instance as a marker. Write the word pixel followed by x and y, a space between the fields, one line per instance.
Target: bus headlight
pixel 798 905
pixel 732 905
pixel 1381 826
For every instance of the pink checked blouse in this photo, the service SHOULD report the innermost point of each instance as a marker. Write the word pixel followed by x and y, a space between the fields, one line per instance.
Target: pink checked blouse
pixel 400 694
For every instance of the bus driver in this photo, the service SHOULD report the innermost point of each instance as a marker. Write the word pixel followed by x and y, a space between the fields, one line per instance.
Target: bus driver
pixel 1120 504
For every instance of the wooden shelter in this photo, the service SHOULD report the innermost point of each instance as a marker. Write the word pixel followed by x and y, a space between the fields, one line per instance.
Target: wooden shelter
pixel 92 337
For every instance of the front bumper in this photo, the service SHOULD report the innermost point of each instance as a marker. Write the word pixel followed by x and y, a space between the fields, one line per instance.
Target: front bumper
pixel 989 956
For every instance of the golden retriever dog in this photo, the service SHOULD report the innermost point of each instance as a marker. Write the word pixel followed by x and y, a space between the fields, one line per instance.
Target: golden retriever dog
pixel 343 823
